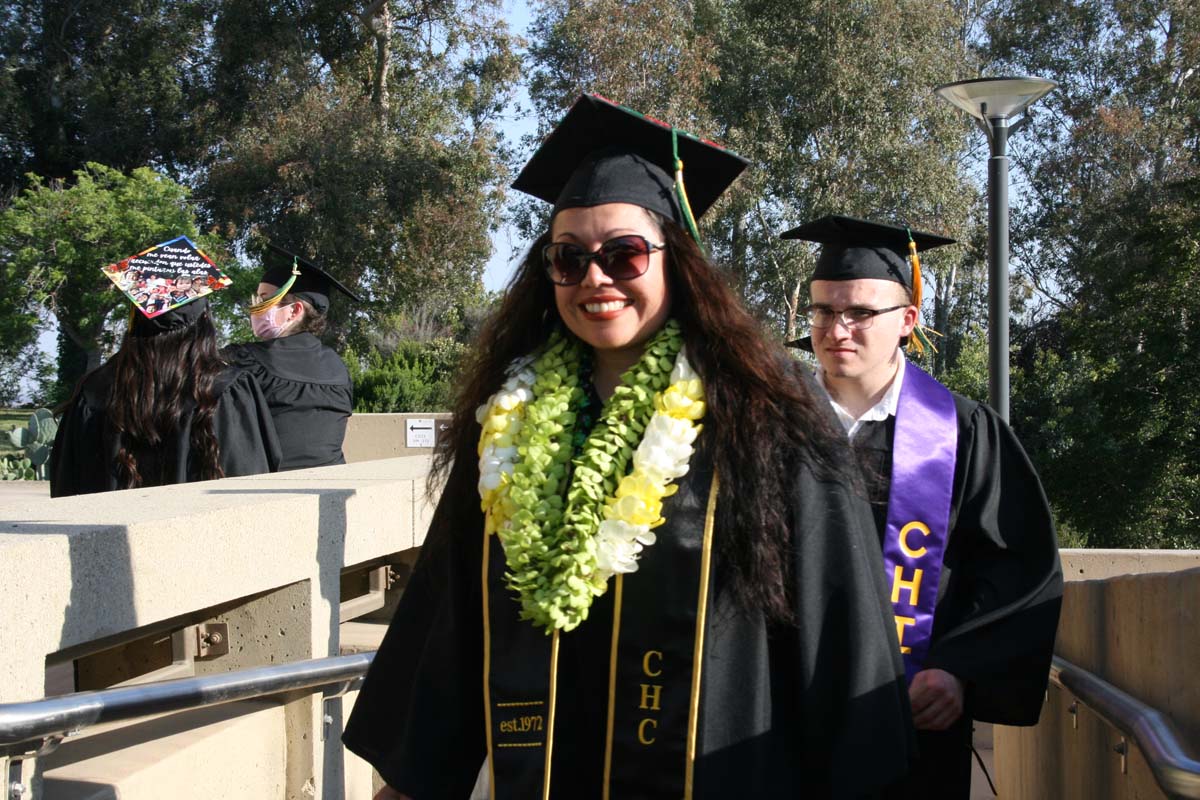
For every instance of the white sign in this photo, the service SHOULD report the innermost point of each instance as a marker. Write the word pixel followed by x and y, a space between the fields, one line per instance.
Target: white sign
pixel 419 433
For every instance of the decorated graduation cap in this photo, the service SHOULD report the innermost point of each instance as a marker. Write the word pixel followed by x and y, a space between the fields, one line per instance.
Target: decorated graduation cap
pixel 601 152
pixel 299 277
pixel 168 285
pixel 852 249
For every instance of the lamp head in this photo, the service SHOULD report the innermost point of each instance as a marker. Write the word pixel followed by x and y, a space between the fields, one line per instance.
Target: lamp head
pixel 995 98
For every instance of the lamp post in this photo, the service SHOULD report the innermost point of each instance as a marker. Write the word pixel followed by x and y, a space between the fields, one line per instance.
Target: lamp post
pixel 994 102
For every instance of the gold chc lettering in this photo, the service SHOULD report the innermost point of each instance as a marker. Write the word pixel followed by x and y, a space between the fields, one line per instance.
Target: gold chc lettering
pixel 915 525
pixel 646 723
pixel 913 586
pixel 651 693
pixel 901 624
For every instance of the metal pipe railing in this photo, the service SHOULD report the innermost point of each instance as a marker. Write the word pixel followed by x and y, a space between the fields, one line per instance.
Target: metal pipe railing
pixel 1176 770
pixel 39 720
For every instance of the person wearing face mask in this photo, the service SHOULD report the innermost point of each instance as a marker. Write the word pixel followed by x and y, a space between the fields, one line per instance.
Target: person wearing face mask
pixel 646 576
pixel 969 551
pixel 306 383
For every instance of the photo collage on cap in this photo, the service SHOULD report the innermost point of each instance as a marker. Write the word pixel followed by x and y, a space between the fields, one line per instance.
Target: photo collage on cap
pixel 166 276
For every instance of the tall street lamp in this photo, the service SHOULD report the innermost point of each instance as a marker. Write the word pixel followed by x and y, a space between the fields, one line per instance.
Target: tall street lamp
pixel 994 102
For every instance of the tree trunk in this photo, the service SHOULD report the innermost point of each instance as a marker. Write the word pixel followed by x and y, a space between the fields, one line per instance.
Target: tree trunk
pixel 377 18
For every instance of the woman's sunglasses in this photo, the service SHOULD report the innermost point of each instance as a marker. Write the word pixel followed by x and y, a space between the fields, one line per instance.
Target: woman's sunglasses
pixel 622 258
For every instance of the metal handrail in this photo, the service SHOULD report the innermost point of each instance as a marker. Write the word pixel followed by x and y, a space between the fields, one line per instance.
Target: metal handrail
pixel 1175 769
pixel 38 720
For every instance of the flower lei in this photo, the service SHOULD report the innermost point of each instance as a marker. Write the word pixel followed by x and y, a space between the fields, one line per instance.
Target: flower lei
pixel 561 550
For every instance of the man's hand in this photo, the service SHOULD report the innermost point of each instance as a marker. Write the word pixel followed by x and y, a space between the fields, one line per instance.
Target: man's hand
pixel 937 699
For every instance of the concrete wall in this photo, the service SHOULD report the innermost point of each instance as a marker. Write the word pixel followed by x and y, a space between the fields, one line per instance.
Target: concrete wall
pixel 263 554
pixel 1130 617
pixel 374 436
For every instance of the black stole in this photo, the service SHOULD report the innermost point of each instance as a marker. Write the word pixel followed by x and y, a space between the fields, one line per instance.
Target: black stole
pixel 654 669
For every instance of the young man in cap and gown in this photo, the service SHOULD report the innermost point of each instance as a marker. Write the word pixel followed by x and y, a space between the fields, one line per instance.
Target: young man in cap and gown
pixel 306 383
pixel 969 550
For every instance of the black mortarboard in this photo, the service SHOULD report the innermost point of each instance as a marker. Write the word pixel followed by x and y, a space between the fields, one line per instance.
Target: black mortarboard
pixel 852 249
pixel 601 152
pixel 312 284
pixel 168 284
pixel 855 248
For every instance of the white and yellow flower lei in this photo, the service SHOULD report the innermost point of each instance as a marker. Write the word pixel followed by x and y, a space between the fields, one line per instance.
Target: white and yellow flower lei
pixel 568 526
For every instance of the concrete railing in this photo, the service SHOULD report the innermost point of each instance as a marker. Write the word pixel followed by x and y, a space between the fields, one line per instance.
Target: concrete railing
pixel 268 556
pixel 124 571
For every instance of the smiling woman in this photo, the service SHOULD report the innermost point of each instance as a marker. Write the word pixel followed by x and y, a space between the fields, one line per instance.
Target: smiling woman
pixel 669 590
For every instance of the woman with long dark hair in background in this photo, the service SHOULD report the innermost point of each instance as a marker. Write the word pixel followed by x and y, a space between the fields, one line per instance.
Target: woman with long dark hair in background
pixel 672 589
pixel 166 408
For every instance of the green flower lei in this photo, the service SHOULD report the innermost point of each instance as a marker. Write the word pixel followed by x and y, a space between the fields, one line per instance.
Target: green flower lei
pixel 548 545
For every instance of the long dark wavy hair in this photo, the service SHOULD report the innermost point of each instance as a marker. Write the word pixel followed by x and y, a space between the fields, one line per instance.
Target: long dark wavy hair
pixel 159 382
pixel 761 422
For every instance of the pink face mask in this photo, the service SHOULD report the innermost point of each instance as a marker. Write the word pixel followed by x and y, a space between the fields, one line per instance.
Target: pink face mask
pixel 264 324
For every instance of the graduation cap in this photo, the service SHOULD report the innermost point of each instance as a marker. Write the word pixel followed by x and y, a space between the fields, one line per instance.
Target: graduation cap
pixel 852 249
pixel 168 284
pixel 601 152
pixel 300 277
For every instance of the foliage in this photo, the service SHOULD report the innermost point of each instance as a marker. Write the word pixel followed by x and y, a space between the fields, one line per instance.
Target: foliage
pixel 36 439
pixel 17 469
pixel 1111 409
pixel 110 82
pixel 415 376
pixel 1105 234
pixel 373 150
pixel 838 116
pixel 54 238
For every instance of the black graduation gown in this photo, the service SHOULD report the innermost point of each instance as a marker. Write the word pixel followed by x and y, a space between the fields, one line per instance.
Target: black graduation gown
pixel 999 591
pixel 85 449
pixel 817 709
pixel 310 394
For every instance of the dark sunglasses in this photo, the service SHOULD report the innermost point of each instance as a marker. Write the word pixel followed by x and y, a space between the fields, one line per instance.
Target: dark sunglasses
pixel 622 258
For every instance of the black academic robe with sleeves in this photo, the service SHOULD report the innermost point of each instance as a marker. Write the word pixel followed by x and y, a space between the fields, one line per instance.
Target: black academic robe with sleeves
pixel 814 709
pixel 310 394
pixel 85 449
pixel 999 591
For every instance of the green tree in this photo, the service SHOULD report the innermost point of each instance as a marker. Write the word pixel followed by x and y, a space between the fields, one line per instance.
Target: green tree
pixel 54 238
pixel 381 164
pixel 837 112
pixel 1104 233
pixel 111 82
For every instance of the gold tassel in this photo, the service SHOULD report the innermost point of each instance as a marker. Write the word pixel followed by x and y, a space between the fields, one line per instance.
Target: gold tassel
pixel 919 340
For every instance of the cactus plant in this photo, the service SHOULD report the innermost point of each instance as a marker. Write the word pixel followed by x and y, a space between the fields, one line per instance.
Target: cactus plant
pixel 36 439
pixel 16 469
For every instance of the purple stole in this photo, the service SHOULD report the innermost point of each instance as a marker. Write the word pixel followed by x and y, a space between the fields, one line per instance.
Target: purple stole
pixel 918 516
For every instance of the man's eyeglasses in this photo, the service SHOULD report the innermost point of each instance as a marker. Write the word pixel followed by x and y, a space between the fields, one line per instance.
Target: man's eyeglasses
pixel 622 258
pixel 854 318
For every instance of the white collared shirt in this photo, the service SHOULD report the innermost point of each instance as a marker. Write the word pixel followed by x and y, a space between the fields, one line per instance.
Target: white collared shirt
pixel 886 407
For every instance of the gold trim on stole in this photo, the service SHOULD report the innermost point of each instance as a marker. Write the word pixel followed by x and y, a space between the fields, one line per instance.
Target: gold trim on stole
pixel 487 664
pixel 612 678
pixel 550 712
pixel 698 654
